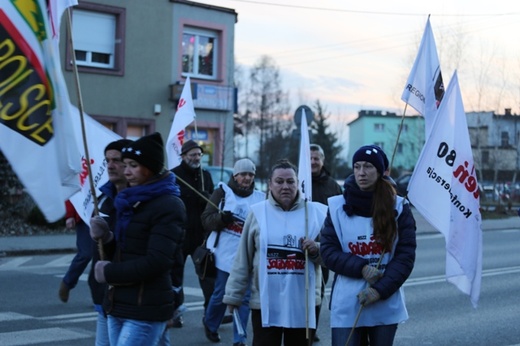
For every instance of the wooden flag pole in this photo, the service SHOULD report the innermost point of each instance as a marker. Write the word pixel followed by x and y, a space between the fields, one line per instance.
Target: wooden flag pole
pixel 83 131
pixel 361 307
pixel 307 334
pixel 397 139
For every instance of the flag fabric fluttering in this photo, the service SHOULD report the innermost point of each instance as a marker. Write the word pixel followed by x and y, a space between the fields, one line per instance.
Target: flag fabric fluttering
pixel 184 116
pixel 304 164
pixel 444 189
pixel 424 88
pixel 34 131
pixel 101 136
pixel 56 9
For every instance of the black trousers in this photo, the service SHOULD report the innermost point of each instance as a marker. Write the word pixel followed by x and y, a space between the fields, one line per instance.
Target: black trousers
pixel 274 336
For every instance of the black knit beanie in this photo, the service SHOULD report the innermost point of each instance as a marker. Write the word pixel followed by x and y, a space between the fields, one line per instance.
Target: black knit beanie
pixel 148 151
pixel 372 154
pixel 118 145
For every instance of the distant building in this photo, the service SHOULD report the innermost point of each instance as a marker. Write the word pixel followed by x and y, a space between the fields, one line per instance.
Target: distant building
pixel 134 56
pixel 382 129
pixel 495 144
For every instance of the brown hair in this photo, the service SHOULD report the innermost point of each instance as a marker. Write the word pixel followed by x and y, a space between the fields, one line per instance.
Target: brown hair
pixel 383 217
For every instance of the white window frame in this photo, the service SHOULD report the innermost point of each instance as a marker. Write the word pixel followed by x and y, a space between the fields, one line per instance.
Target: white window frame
pixel 198 33
pixel 94 33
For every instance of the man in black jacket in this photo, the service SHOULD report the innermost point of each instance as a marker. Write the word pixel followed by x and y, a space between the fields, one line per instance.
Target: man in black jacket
pixel 194 182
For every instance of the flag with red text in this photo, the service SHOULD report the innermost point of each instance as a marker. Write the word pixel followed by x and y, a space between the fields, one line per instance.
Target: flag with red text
pixel 35 128
pixel 304 165
pixel 424 88
pixel 98 137
pixel 184 116
pixel 444 189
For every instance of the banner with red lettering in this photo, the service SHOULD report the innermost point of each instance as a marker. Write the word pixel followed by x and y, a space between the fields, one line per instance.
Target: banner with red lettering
pixel 184 116
pixel 424 88
pixel 444 189
pixel 35 127
pixel 98 137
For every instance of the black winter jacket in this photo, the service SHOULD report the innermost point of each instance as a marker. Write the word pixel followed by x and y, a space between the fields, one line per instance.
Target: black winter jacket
pixel 195 205
pixel 139 274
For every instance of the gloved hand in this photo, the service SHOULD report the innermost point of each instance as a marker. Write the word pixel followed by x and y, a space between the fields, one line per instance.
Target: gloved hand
pixel 99 271
pixel 368 296
pixel 205 194
pixel 99 229
pixel 371 274
pixel 227 217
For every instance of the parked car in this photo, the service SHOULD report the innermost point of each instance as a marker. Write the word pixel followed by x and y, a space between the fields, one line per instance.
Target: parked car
pixel 401 184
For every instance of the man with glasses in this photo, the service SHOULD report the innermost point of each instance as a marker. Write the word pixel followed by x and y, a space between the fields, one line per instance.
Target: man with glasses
pixel 194 182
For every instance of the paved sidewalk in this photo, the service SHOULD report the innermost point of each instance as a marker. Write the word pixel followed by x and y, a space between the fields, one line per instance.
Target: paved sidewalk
pixel 66 243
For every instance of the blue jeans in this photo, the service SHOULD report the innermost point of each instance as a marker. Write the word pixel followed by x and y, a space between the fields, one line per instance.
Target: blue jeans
pixel 378 335
pixel 102 330
pixel 216 309
pixel 165 338
pixel 83 256
pixel 126 332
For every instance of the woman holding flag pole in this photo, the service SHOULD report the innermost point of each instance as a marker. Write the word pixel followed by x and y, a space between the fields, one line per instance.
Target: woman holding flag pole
pixel 272 253
pixel 369 242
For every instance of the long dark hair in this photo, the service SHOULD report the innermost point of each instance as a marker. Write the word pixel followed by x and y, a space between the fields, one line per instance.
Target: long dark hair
pixel 384 213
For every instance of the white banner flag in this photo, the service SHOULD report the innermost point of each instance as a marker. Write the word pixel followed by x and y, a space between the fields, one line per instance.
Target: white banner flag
pixel 444 189
pixel 36 133
pixel 424 89
pixel 304 166
pixel 98 137
pixel 184 116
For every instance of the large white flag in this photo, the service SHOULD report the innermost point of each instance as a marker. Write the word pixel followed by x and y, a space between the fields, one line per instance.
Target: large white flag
pixel 98 137
pixel 184 116
pixel 34 131
pixel 444 189
pixel 424 88
pixel 304 165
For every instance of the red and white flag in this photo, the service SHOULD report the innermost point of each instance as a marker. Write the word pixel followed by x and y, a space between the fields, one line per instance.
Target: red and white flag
pixel 184 116
pixel 424 88
pixel 304 165
pixel 444 189
pixel 98 137
pixel 35 129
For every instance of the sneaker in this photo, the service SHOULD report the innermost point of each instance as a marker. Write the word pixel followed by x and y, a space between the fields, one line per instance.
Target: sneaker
pixel 178 322
pixel 63 293
pixel 227 319
pixel 213 337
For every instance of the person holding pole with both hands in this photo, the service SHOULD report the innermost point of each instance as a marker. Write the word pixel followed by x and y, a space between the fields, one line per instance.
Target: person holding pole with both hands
pixel 271 255
pixel 368 241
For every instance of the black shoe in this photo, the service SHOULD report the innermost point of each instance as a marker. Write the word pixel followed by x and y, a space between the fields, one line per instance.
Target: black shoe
pixel 316 338
pixel 213 337
pixel 227 319
pixel 178 322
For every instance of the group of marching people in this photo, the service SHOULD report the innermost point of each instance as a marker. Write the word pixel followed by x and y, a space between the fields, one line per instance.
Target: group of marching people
pixel 270 249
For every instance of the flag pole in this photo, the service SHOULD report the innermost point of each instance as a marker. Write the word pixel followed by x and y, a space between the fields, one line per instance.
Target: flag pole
pixel 397 139
pixel 83 131
pixel 307 275
pixel 361 307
